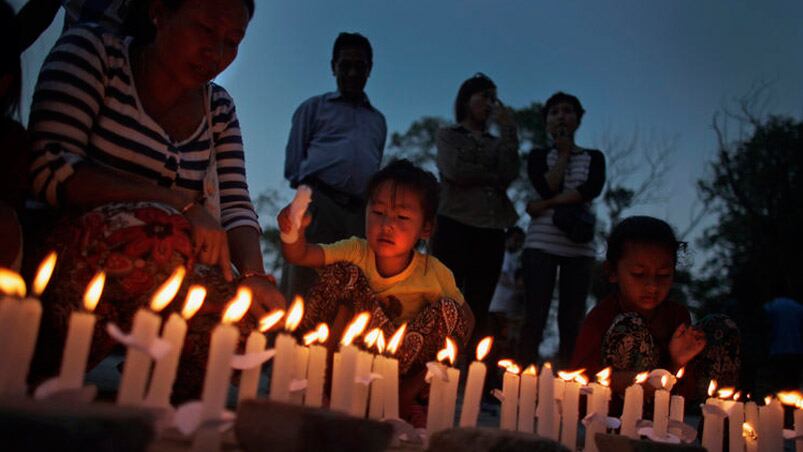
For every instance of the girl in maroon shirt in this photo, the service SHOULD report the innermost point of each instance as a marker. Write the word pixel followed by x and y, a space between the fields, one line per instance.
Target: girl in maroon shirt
pixel 638 328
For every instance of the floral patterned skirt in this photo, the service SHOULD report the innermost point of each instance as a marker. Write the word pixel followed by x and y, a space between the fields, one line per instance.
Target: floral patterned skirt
pixel 138 245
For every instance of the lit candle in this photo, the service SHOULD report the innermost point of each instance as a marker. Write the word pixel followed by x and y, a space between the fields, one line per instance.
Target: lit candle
pixel 79 337
pixel 770 425
pixel 713 422
pixel 599 399
pixel 174 332
pixel 735 410
pixel 345 365
pixel 376 406
pixel 443 391
pixel 749 427
pixel 559 387
pixel 365 361
pixel 677 407
pixel 300 374
pixel 527 397
pixel 571 405
pixel 450 391
pixel 660 416
pixel 284 361
pixel 19 325
pixel 316 372
pixel 390 374
pixel 510 395
pixel 799 425
pixel 546 402
pixel 633 408
pixel 256 342
pixel 472 395
pixel 137 366
pixel 221 349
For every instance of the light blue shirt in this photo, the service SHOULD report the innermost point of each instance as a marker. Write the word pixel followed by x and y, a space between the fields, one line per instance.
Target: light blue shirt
pixel 337 142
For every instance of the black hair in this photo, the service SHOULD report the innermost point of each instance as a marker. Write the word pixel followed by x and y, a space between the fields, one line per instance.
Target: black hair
pixel 645 230
pixel 138 22
pixel 513 230
pixel 559 98
pixel 10 60
pixel 479 82
pixel 352 40
pixel 403 173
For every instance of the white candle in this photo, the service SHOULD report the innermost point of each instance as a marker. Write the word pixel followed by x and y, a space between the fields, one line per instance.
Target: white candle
pixel 559 388
pixel 794 399
pixel 633 406
pixel 475 382
pixel 19 325
pixel 799 426
pixel 510 398
pixel 570 412
pixel 598 403
pixel 749 431
pixel 390 380
pixel 676 409
pixel 712 423
pixel 249 378
pixel 770 426
pixel 145 328
pixel 435 404
pixel 300 373
pixel 284 361
pixel 443 391
pixel 174 332
pixel 79 337
pixel 222 346
pixel 660 418
pixel 316 371
pixel 376 406
pixel 527 399
pixel 345 365
pixel 359 393
pixel 368 363
pixel 735 426
pixel 450 397
pixel 546 403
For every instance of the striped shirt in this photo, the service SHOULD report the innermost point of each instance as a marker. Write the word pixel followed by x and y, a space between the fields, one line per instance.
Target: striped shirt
pixel 86 109
pixel 585 173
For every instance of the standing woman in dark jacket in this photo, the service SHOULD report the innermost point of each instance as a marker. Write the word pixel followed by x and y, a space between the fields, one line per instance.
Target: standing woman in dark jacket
pixel 566 179
pixel 476 168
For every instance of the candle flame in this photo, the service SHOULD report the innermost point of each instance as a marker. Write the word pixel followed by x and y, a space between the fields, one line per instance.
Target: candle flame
pixel 570 375
pixel 726 393
pixel 396 339
pixel 712 386
pixel 168 290
pixel 311 337
pixel 799 404
pixel 355 328
pixel 93 291
pixel 681 372
pixel 531 370
pixel 514 369
pixel 11 283
pixel 195 298
pixel 238 306
pixel 505 363
pixel 380 342
pixel 484 347
pixel 548 365
pixel 767 400
pixel 44 273
pixel 748 432
pixel 270 320
pixel 323 332
pixel 451 350
pixel 737 396
pixel 604 376
pixel 664 381
pixel 582 379
pixel 789 397
pixel 371 337
pixel 295 314
pixel 642 377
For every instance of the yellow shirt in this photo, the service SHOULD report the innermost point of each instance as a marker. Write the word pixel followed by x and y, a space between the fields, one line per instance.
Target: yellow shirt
pixel 425 280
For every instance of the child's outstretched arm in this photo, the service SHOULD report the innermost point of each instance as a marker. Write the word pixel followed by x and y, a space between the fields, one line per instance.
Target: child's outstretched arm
pixel 299 252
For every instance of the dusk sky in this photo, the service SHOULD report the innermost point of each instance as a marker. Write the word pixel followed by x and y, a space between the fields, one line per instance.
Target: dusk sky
pixel 663 68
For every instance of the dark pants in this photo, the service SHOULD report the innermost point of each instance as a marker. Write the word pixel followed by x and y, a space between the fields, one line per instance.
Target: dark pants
pixel 331 221
pixel 474 255
pixel 540 270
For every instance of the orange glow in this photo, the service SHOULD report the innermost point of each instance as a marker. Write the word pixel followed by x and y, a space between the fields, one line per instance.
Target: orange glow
pixel 93 291
pixel 44 273
pixel 712 387
pixel 195 298
pixel 396 339
pixel 371 338
pixel 748 432
pixel 355 328
pixel 484 347
pixel 737 396
pixel 681 372
pixel 604 376
pixel 725 393
pixel 570 375
pixel 448 352
pixel 790 398
pixel 295 314
pixel 514 369
pixel 238 306
pixel 323 332
pixel 531 370
pixel 270 320
pixel 168 290
pixel 664 381
pixel 505 363
pixel 642 377
pixel 380 343
pixel 767 400
pixel 11 283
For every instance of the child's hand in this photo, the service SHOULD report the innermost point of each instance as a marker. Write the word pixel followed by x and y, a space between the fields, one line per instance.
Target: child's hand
pixel 686 343
pixel 286 224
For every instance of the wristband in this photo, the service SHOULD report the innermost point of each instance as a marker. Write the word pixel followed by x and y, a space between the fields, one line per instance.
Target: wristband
pixel 252 274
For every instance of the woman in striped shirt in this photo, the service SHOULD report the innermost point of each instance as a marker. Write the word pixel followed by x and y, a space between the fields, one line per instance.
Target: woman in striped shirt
pixel 125 130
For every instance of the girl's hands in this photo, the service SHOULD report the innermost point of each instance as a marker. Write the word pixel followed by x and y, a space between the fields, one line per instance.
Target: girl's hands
pixel 686 343
pixel 286 224
pixel 211 241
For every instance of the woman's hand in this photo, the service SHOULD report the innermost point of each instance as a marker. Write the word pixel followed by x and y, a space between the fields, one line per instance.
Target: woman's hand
pixel 210 239
pixel 686 343
pixel 536 208
pixel 266 296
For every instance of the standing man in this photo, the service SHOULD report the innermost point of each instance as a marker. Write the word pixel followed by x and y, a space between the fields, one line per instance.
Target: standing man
pixel 335 146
